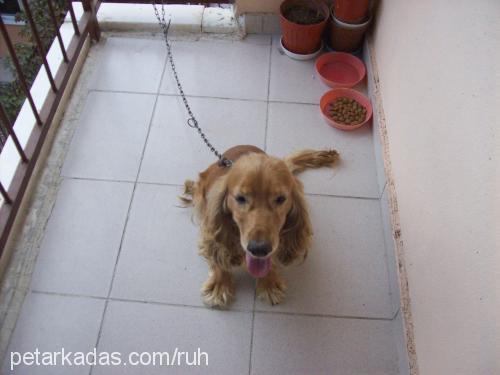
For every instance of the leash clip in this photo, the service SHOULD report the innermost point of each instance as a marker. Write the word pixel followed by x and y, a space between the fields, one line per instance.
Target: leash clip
pixel 225 162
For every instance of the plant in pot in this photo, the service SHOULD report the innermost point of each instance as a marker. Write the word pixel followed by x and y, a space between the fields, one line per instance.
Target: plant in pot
pixel 302 24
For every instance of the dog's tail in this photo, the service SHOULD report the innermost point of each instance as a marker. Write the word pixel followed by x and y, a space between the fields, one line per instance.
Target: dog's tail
pixel 306 159
pixel 187 196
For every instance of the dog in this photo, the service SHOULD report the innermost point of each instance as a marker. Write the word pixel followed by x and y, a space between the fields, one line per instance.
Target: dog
pixel 252 213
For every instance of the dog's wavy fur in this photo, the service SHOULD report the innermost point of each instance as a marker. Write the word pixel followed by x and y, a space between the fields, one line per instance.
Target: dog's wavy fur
pixel 225 228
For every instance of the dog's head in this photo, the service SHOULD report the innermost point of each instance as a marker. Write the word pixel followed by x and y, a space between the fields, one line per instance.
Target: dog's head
pixel 266 202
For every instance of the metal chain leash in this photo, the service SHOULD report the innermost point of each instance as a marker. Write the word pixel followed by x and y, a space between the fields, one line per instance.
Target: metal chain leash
pixel 192 121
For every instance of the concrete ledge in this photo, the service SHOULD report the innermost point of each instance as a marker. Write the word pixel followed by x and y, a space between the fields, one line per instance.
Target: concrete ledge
pixel 219 20
pixel 185 18
pixel 135 17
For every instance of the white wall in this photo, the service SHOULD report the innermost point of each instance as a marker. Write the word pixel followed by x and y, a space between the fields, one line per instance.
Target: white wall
pixel 439 69
pixel 257 6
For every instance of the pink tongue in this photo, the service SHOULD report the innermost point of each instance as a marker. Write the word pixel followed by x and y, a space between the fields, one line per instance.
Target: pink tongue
pixel 258 267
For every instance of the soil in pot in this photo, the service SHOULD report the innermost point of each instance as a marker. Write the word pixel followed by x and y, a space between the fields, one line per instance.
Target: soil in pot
pixel 302 24
pixel 303 15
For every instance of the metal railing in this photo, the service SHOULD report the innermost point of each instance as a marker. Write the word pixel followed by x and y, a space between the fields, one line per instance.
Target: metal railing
pixel 86 26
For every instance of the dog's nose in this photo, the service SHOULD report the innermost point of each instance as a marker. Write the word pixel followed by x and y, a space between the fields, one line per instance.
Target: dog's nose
pixel 259 248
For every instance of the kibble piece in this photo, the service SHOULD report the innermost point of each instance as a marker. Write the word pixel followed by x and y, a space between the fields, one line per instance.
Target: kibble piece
pixel 346 111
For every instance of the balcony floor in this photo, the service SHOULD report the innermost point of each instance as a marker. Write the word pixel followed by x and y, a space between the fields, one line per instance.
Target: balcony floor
pixel 118 267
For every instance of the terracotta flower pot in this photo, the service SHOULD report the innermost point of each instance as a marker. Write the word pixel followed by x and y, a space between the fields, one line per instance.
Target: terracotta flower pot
pixel 303 38
pixel 346 37
pixel 351 11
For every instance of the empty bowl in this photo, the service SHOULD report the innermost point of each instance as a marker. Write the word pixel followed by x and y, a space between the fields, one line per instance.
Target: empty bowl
pixel 332 95
pixel 340 69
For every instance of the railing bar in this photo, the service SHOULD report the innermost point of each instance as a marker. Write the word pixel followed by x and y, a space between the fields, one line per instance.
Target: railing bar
pixel 73 18
pixel 39 44
pixel 5 195
pixel 10 130
pixel 19 71
pixel 56 27
pixel 91 6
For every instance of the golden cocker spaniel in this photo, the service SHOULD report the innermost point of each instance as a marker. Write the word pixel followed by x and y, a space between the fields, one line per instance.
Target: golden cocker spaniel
pixel 253 213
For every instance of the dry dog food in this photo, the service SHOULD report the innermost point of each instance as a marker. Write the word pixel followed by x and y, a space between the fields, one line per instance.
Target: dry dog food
pixel 346 111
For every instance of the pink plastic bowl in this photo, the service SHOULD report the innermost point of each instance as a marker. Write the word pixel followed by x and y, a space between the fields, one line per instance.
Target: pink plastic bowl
pixel 332 95
pixel 340 69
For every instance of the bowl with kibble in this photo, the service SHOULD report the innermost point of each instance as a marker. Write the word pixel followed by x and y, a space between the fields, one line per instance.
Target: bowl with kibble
pixel 345 109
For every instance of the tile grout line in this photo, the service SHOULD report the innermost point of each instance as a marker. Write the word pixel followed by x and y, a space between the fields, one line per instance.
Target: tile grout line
pixel 106 299
pixel 96 179
pixel 203 307
pixel 252 329
pixel 329 316
pixel 121 181
pixel 265 149
pixel 106 303
pixel 181 185
pixel 396 313
pixel 130 300
pixel 127 92
pixel 202 97
pixel 268 89
pixel 341 196
pixel 383 190
pixel 242 99
pixel 65 294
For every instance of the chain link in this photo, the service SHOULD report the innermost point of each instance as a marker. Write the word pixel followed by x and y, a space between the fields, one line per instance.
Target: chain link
pixel 192 121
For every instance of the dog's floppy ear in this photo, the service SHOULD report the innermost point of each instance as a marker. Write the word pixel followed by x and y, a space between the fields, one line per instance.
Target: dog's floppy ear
pixel 297 232
pixel 217 215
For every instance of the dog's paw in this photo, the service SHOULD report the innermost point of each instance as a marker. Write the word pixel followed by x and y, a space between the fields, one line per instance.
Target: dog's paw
pixel 217 294
pixel 272 291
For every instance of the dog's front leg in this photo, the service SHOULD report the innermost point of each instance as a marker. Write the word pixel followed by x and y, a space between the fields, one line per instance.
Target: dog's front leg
pixel 218 289
pixel 271 287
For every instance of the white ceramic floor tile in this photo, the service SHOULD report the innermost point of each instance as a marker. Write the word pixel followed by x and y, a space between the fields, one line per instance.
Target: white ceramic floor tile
pixel 297 345
pixel 82 238
pixel 110 136
pixel 292 80
pixel 50 323
pixel 223 335
pixel 390 252
pixel 225 69
pixel 129 64
pixel 292 127
pixel 159 260
pixel 345 272
pixel 258 39
pixel 175 152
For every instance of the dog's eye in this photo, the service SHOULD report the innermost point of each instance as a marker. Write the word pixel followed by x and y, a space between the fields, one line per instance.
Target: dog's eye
pixel 280 200
pixel 240 199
